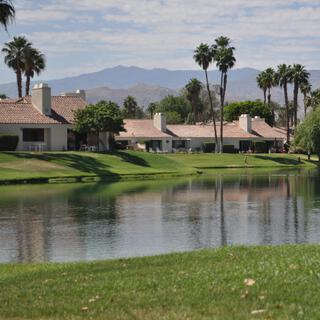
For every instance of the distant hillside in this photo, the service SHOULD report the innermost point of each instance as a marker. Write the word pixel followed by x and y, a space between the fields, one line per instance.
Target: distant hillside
pixel 153 85
pixel 143 93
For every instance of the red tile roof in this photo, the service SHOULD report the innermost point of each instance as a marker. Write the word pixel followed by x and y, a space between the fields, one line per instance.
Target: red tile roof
pixel 22 111
pixel 146 129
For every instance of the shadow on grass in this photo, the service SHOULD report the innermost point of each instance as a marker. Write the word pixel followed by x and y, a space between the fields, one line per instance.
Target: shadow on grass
pixel 83 163
pixel 280 160
pixel 131 158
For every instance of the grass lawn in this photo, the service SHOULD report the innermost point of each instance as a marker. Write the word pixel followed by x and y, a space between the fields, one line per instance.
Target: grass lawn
pixel 27 165
pixel 279 282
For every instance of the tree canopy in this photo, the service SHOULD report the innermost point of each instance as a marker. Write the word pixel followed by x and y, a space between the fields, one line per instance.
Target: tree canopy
pixel 307 135
pixel 101 117
pixel 253 108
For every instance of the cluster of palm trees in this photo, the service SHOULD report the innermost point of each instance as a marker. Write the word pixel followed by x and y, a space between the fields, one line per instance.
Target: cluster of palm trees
pixel 297 76
pixel 23 59
pixel 222 54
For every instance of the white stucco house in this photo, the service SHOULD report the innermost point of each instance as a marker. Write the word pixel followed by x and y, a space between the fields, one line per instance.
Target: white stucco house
pixel 45 122
pixel 156 135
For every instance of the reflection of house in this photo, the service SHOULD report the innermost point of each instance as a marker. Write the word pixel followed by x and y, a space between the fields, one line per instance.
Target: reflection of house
pixel 239 135
pixel 44 121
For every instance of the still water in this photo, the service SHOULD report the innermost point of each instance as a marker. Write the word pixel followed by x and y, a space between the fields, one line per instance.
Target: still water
pixel 102 221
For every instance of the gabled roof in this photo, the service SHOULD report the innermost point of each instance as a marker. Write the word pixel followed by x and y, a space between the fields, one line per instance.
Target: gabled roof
pixel 21 111
pixel 145 129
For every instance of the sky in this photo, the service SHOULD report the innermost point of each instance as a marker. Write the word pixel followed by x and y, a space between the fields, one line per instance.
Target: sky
pixel 81 36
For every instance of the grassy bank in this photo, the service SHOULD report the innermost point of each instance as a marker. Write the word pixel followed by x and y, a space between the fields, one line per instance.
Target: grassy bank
pixel 20 166
pixel 229 283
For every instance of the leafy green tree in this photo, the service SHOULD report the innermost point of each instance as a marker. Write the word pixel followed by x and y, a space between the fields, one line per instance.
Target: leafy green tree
pixel 299 76
pixel 173 117
pixel 253 108
pixel 307 134
pixel 203 56
pixel 14 52
pixel 283 78
pixel 193 88
pixel 179 105
pixel 101 117
pixel 130 108
pixel 33 63
pixel 223 55
pixel 7 13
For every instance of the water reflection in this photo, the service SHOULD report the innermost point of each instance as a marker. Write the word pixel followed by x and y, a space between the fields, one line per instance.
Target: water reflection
pixel 98 221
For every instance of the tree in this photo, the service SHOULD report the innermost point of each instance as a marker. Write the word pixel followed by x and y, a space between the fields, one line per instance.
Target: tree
pixel 307 134
pixel 130 107
pixel 283 77
pixel 193 88
pixel 223 55
pixel 315 99
pixel 305 89
pixel 33 62
pixel 262 85
pixel 270 81
pixel 203 56
pixel 14 57
pixel 299 76
pixel 152 107
pixel 3 96
pixel 253 108
pixel 7 13
pixel 101 117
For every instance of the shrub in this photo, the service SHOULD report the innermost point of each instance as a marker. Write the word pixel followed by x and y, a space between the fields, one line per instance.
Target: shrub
pixel 208 147
pixel 8 142
pixel 229 148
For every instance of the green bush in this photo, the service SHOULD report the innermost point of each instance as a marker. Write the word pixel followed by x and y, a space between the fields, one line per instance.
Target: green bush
pixel 8 142
pixel 208 147
pixel 229 149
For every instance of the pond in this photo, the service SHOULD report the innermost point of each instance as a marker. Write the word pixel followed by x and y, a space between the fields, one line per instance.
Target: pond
pixel 81 222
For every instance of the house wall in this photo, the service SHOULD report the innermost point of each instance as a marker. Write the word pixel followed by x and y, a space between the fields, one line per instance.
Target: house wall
pixel 55 136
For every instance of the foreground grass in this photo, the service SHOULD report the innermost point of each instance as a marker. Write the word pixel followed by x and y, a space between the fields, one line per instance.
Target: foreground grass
pixel 229 283
pixel 26 165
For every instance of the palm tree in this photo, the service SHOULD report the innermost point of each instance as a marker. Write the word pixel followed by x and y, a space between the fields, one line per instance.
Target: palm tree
pixel 305 89
pixel 34 63
pixel 14 57
pixel 7 13
pixel 194 87
pixel 203 55
pixel 262 85
pixel 130 107
pixel 299 76
pixel 223 55
pixel 283 77
pixel 269 76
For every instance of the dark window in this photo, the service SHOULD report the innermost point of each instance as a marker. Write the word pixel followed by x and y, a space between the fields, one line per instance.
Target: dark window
pixel 33 135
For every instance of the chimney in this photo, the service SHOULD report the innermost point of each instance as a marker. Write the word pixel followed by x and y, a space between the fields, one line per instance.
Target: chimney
pixel 41 98
pixel 159 121
pixel 81 94
pixel 245 123
pixel 78 93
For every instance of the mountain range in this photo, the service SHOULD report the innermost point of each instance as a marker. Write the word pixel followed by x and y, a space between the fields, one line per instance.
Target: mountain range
pixel 150 85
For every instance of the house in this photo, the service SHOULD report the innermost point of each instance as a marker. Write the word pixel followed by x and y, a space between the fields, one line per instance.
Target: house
pixel 156 135
pixel 45 122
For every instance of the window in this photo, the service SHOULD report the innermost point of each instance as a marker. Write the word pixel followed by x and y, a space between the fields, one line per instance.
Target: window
pixel 33 135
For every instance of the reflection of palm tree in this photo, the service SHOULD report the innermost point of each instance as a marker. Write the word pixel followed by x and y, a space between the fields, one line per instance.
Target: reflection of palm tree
pixel 222 218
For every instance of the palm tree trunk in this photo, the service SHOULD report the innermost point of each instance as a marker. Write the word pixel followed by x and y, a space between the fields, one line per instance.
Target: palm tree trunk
pixel 265 96
pixel 213 113
pixel 19 82
pixel 28 86
pixel 286 100
pixel 305 104
pixel 295 103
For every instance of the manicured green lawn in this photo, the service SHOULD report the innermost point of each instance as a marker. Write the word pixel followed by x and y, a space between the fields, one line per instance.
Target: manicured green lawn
pixel 26 165
pixel 229 283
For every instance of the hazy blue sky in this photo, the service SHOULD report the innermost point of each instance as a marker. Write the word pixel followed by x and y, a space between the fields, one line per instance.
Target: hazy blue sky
pixel 80 36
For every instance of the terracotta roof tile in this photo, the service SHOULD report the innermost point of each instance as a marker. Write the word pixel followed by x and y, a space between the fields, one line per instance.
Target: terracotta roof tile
pixel 22 111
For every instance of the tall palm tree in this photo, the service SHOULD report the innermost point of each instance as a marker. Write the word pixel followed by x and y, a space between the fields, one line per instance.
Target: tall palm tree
pixel 14 57
pixel 305 89
pixel 223 55
pixel 299 76
pixel 194 87
pixel 262 85
pixel 270 81
pixel 7 13
pixel 34 62
pixel 203 55
pixel 283 77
